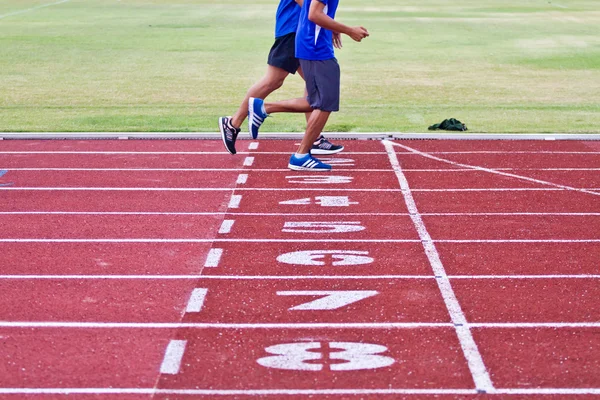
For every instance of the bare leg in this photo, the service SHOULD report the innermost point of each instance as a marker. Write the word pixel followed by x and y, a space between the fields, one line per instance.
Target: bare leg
pixel 273 80
pixel 299 105
pixel 314 127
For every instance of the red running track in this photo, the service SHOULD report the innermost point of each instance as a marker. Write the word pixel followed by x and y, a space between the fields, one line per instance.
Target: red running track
pixel 170 269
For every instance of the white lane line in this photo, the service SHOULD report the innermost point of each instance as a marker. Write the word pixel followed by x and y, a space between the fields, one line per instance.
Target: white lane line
pixel 242 179
pixel 320 325
pixel 253 146
pixel 213 258
pixel 180 325
pixel 299 189
pixel 248 161
pixel 173 356
pixel 174 152
pixel 196 301
pixel 237 240
pixel 520 177
pixel 296 392
pixel 32 9
pixel 288 277
pixel 217 277
pixel 518 241
pixel 226 226
pixel 471 352
pixel 535 325
pixel 235 200
pixel 434 170
pixel 259 214
pixel 284 152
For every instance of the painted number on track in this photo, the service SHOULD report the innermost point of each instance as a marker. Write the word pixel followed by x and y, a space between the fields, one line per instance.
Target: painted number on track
pixel 330 299
pixel 323 201
pixel 319 179
pixel 322 227
pixel 340 162
pixel 320 257
pixel 303 356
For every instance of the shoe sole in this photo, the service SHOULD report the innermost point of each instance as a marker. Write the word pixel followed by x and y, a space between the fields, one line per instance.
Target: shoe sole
pixel 223 135
pixel 251 114
pixel 299 168
pixel 322 152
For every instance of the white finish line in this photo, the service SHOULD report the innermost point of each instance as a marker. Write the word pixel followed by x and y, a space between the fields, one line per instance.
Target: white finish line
pixel 471 352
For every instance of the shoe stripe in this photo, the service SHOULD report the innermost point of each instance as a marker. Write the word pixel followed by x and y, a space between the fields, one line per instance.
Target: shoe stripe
pixel 305 164
pixel 256 121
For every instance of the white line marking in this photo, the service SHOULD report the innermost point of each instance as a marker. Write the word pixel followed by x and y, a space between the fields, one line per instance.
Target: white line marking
pixel 524 178
pixel 248 161
pixel 253 146
pixel 32 9
pixel 287 277
pixel 535 325
pixel 292 392
pixel 242 179
pixel 434 170
pixel 259 214
pixel 179 325
pixel 173 356
pixel 320 325
pixel 312 189
pixel 328 299
pixel 148 240
pixel 196 301
pixel 213 258
pixel 235 200
pixel 226 226
pixel 283 152
pixel 216 277
pixel 475 361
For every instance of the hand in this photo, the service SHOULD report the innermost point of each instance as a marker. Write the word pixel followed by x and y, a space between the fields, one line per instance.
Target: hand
pixel 358 33
pixel 337 40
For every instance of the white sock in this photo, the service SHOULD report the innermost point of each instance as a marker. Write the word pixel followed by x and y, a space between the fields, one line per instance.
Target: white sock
pixel 298 155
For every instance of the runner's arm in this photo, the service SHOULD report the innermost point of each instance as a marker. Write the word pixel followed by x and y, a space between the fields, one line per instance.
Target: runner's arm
pixel 317 15
pixel 300 2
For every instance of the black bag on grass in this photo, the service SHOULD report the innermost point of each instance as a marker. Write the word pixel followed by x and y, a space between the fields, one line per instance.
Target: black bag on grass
pixel 451 124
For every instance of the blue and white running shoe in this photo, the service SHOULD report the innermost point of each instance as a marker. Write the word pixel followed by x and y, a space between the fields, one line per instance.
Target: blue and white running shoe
pixel 256 115
pixel 307 163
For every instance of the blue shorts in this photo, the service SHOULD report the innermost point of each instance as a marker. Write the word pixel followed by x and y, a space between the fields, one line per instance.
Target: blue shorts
pixel 322 84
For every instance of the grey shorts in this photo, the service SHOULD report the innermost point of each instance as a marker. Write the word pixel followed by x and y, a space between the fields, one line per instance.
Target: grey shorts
pixel 322 84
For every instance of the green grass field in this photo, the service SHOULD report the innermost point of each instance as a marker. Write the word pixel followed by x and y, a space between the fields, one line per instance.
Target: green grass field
pixel 166 65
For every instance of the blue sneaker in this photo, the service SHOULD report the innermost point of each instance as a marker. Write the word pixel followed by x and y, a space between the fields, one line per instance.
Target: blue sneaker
pixel 256 115
pixel 307 163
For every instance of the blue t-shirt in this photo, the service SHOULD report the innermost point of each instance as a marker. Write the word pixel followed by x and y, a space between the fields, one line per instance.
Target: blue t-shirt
pixel 286 20
pixel 312 41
